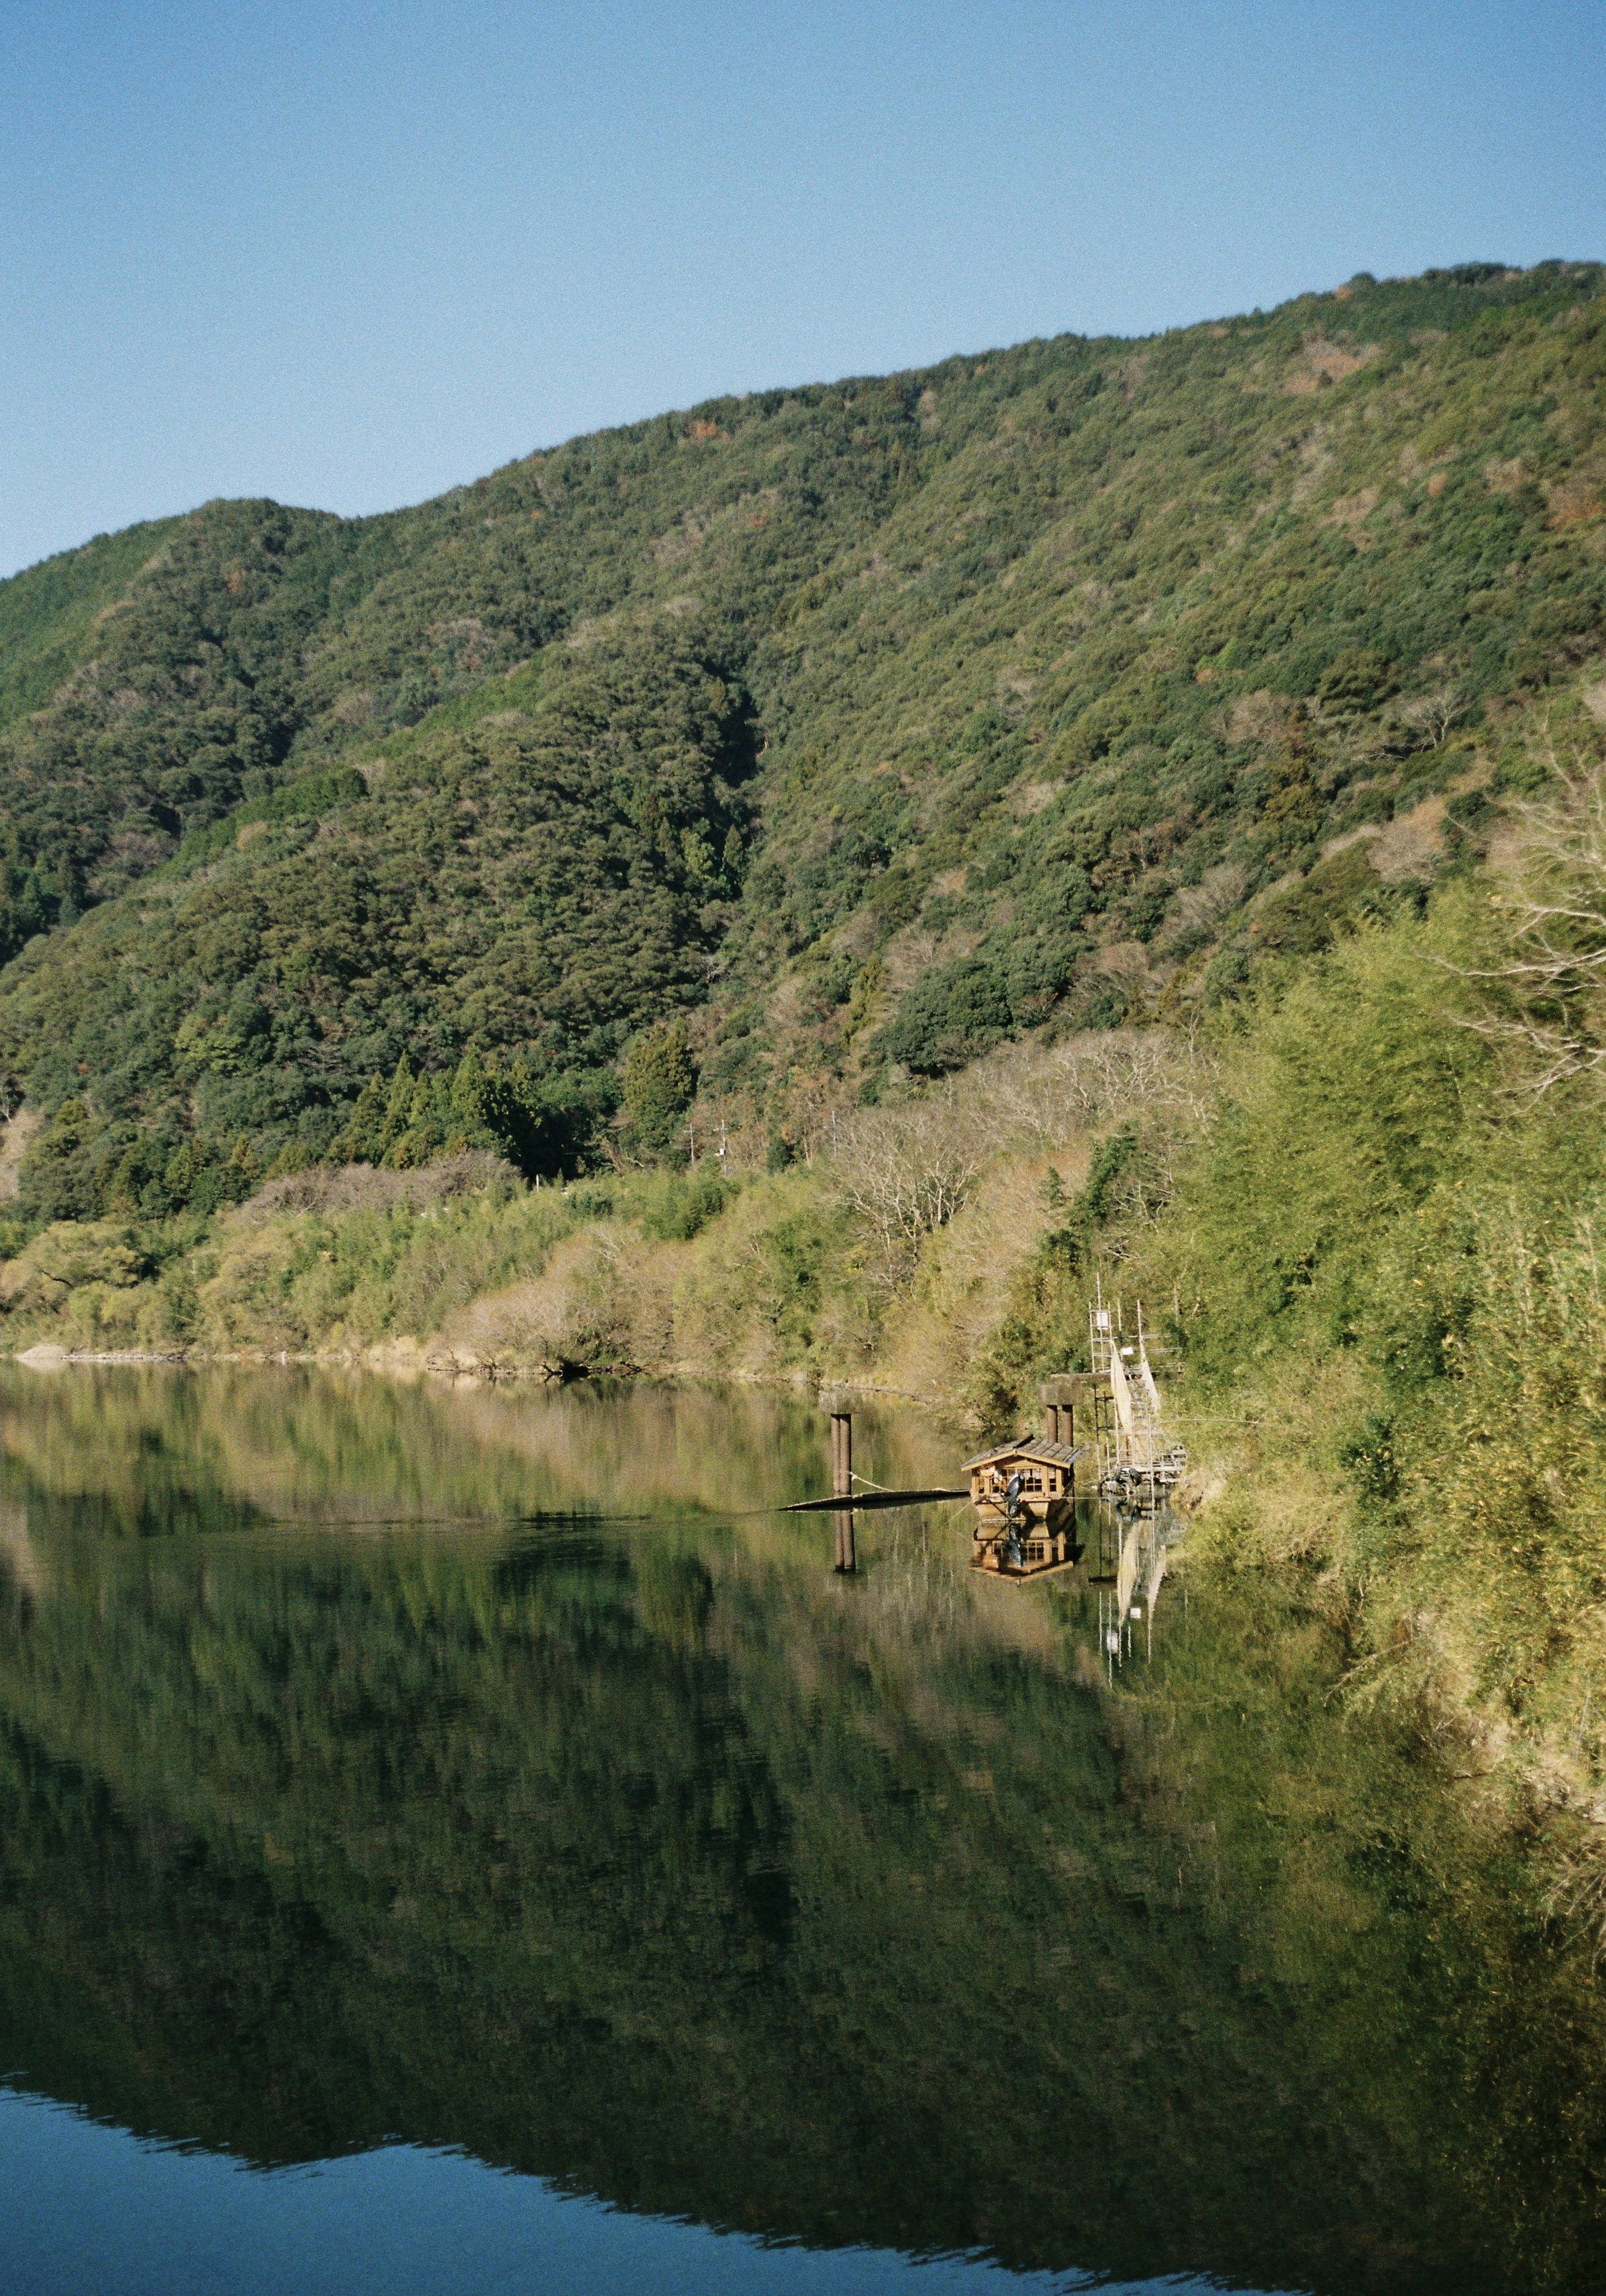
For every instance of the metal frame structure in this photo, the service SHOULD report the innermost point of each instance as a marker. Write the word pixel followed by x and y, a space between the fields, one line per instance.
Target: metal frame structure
pixel 1137 1459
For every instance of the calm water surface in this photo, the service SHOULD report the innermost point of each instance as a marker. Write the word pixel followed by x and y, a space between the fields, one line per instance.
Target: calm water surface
pixel 457 1838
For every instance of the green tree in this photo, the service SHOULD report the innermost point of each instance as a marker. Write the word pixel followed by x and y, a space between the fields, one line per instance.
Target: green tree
pixel 951 1013
pixel 62 1174
pixel 659 1083
pixel 363 1140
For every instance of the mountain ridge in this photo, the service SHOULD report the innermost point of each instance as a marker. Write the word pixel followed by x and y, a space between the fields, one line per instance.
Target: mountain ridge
pixel 897 716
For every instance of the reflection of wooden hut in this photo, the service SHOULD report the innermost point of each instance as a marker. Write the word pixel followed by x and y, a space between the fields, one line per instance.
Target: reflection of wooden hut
pixel 1033 1520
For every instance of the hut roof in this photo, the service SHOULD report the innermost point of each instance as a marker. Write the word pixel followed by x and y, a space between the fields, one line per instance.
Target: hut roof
pixel 1039 1454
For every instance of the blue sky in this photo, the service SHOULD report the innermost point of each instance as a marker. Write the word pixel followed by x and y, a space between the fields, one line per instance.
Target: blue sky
pixel 349 255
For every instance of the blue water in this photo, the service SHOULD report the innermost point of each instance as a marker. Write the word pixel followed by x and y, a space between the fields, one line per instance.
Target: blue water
pixel 93 2211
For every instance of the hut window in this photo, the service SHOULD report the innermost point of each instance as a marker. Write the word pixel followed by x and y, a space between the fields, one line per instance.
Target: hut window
pixel 1030 1479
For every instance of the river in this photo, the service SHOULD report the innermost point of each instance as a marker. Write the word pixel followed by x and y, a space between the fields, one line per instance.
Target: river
pixel 463 1838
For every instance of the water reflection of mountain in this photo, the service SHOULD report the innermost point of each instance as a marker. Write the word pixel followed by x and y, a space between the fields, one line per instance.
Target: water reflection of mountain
pixel 655 1860
pixel 122 1445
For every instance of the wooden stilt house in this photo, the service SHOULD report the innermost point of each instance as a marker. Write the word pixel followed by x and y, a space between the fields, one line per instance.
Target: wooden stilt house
pixel 1023 1494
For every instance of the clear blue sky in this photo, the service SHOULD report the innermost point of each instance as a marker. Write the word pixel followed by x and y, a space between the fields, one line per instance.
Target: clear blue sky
pixel 349 254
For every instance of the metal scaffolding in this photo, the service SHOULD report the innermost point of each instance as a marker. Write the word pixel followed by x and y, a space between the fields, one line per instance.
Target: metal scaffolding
pixel 1137 1459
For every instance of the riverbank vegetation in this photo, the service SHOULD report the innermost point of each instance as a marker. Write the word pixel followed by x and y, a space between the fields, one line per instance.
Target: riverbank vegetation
pixel 1363 1203
pixel 807 890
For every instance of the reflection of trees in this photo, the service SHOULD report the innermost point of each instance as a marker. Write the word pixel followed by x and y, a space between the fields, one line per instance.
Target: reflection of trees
pixel 321 1446
pixel 664 1861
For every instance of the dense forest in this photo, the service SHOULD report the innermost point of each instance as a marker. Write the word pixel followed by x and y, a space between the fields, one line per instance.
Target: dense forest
pixel 900 853
pixel 858 728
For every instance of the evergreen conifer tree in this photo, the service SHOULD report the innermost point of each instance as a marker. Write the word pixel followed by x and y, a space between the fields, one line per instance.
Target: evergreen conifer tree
pixel 362 1139
pixel 659 1082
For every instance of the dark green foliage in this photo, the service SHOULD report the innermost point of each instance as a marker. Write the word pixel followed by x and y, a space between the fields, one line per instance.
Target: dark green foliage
pixel 83 1167
pixel 539 893
pixel 49 616
pixel 951 1013
pixel 313 795
pixel 1111 1162
pixel 659 1083
pixel 1358 679
pixel 1038 969
pixel 408 1123
pixel 1311 914
pixel 1021 648
pixel 1227 972
pixel 68 1167
pixel 188 702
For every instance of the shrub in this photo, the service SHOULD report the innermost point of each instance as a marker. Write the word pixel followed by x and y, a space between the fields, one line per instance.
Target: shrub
pixel 684 1203
pixel 952 1013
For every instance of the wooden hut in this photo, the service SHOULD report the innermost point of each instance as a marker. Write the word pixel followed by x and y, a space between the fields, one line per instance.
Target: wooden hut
pixel 1025 1509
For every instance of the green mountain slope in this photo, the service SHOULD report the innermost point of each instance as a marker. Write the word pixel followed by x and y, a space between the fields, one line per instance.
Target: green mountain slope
pixel 52 617
pixel 862 724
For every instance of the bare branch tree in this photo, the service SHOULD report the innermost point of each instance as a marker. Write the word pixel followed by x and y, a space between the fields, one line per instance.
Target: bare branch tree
pixel 1437 711
pixel 1554 1001
pixel 906 1170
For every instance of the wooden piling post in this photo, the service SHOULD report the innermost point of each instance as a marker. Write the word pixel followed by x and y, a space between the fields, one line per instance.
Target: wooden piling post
pixel 1070 1406
pixel 1057 1396
pixel 842 1485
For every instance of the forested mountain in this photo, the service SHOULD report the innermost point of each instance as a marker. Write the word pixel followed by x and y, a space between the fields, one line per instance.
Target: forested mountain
pixel 847 726
pixel 760 768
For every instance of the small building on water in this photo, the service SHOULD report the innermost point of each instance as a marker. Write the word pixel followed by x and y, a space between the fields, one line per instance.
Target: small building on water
pixel 1025 1508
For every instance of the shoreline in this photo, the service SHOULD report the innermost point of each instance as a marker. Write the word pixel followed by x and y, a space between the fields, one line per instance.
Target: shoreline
pixel 44 1356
